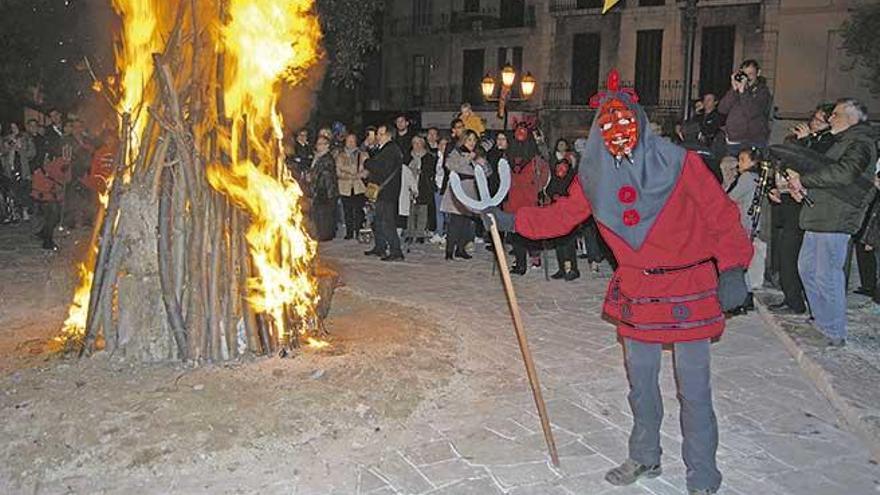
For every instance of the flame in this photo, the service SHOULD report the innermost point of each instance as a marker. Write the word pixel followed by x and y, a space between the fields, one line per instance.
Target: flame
pixel 316 343
pixel 268 42
pixel 75 325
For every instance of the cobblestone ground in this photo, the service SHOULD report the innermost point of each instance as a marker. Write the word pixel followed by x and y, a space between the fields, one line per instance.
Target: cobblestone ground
pixel 778 435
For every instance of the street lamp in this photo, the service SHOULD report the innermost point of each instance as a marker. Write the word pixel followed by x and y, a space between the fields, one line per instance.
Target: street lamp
pixel 690 25
pixel 528 83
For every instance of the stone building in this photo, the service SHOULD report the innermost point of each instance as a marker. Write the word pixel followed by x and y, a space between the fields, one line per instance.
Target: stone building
pixel 435 52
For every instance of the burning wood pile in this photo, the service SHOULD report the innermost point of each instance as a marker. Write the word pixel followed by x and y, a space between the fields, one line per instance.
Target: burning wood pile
pixel 201 252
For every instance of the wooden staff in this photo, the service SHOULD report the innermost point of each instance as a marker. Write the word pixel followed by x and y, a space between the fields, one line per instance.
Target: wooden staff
pixel 521 337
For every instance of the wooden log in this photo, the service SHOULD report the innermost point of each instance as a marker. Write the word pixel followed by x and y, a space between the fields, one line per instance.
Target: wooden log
pixel 163 240
pixel 216 315
pixel 106 238
pixel 230 281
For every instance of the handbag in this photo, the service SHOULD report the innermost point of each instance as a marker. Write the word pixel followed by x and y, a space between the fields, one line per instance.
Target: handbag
pixel 373 189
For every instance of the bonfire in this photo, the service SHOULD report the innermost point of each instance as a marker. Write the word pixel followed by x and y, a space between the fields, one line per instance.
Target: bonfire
pixel 201 252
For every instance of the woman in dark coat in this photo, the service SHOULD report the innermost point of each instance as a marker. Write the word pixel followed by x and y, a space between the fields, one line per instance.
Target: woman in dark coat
pixel 324 189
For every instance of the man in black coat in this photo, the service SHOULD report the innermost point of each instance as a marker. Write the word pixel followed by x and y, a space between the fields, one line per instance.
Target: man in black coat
pixel 842 192
pixel 384 170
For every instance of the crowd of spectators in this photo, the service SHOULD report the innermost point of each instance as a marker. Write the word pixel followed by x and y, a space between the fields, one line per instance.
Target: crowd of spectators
pixel 51 169
pixel 393 188
pixel 821 207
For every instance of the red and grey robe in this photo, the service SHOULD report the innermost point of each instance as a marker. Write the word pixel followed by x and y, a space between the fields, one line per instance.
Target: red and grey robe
pixel 670 226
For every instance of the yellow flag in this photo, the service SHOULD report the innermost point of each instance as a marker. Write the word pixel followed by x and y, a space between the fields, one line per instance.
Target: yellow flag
pixel 608 5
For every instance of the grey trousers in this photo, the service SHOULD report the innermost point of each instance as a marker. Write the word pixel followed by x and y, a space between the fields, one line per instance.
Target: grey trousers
pixel 699 428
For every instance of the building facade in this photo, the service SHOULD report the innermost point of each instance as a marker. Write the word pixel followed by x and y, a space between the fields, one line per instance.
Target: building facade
pixel 435 52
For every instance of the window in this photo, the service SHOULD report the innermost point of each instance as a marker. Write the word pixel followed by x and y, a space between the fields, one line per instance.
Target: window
pixel 651 3
pixel 472 6
pixel 716 59
pixel 422 12
pixel 419 80
pixel 513 13
pixel 649 50
pixel 590 4
pixel 472 67
pixel 585 52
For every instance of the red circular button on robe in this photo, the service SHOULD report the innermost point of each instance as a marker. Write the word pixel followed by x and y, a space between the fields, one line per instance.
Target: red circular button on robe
pixel 631 217
pixel 627 195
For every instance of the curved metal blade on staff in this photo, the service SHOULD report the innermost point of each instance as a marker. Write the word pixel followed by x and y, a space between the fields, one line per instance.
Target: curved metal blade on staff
pixel 486 201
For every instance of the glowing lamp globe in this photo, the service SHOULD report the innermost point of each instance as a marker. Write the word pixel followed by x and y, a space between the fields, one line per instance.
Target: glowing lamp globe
pixel 508 74
pixel 488 86
pixel 528 85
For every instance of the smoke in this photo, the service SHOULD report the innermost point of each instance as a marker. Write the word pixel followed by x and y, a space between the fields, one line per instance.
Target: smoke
pixel 297 102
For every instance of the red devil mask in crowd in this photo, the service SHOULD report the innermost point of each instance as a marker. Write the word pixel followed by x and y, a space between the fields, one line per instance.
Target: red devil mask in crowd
pixel 618 122
pixel 521 133
pixel 562 168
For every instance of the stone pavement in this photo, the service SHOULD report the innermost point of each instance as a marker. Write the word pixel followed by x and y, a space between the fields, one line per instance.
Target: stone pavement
pixel 847 376
pixel 481 435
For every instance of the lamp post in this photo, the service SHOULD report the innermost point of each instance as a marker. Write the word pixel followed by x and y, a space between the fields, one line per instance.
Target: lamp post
pixel 508 76
pixel 690 27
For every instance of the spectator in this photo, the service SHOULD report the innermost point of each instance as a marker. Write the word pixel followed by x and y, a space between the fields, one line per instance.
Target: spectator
pixel 326 133
pixel 432 139
pixel 710 120
pixel 830 224
pixel 423 165
pixel 47 191
pixel 471 120
pixel 787 235
pixel 871 239
pixel 742 192
pixel 403 136
pixel 79 201
pixel 463 160
pixel 409 188
pixel 494 157
pixel 349 165
pixel 303 156
pixel 55 132
pixel 747 106
pixel 440 175
pixel 384 170
pixel 324 191
pixel 370 144
pixel 38 136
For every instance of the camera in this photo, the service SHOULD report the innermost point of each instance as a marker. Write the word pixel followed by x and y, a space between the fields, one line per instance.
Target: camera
pixel 740 76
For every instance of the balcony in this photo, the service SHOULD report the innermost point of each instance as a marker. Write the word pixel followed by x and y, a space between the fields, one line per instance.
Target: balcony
pixel 458 22
pixel 435 97
pixel 566 6
pixel 668 98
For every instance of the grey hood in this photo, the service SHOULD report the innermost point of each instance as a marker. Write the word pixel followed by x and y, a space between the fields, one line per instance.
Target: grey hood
pixel 654 172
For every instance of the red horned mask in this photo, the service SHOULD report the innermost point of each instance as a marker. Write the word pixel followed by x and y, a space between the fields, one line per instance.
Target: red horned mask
pixel 619 127
pixel 618 123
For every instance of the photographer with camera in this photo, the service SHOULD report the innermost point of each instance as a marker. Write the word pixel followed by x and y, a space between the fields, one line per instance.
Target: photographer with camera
pixel 748 106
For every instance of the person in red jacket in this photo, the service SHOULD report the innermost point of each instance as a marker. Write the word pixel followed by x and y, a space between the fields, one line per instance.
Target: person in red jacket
pixel 529 174
pixel 682 253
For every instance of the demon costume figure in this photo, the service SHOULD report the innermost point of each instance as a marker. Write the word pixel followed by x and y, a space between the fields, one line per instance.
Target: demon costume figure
pixel 561 176
pixel 673 231
pixel 529 174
